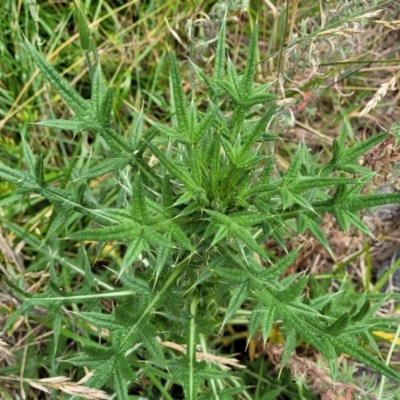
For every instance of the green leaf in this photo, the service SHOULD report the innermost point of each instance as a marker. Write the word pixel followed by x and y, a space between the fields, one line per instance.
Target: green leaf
pixel 315 229
pixel 358 223
pixel 100 320
pixel 59 220
pixel 28 156
pixel 71 97
pixel 110 164
pixel 97 90
pixel 101 375
pixel 178 96
pixel 281 266
pixel 230 90
pixel 173 133
pixel 364 201
pixel 239 295
pixel 363 312
pixel 120 383
pixel 173 168
pixel 132 252
pixel 293 291
pixel 294 167
pixel 106 109
pixel 267 321
pixel 180 237
pixel 246 85
pixel 148 336
pixel 230 274
pixel 257 131
pixel 137 129
pixel 139 208
pixel 361 148
pixel 345 345
pixel 219 65
pixel 19 178
pixel 116 142
pixel 163 252
pixel 72 125
pixel 125 231
pixel 39 171
pixel 156 239
pixel 290 345
pixel 338 327
pixel 83 28
pixel 229 150
pixel 205 124
pixel 195 166
pixel 137 285
pixel 267 171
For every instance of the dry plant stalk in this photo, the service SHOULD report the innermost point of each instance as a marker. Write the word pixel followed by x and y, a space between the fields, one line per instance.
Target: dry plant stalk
pixel 222 362
pixel 74 388
pixel 380 94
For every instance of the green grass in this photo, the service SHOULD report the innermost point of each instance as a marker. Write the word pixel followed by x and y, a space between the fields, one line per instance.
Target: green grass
pixel 60 279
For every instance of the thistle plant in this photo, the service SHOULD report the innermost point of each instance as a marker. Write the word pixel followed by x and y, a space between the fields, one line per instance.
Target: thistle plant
pixel 192 224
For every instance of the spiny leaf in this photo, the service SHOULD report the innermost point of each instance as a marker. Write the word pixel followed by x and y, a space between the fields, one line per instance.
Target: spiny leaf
pixel 219 65
pixel 293 291
pixel 267 322
pixel 100 320
pixel 152 236
pixel 230 274
pixel 267 171
pixel 173 133
pixel 180 237
pixel 347 346
pixel 281 266
pixel 167 196
pixel 132 252
pixel 108 165
pixel 120 379
pixel 256 132
pixel 179 97
pixel 39 171
pixel 294 166
pixel 207 120
pixel 137 129
pixel 239 295
pixel 28 156
pixel 290 344
pixel 117 142
pixel 106 109
pixel 163 252
pixel 367 201
pixel 230 90
pixel 101 375
pixel 364 311
pixel 148 336
pixel 246 85
pixel 97 90
pixel 59 220
pixel 71 97
pixel 253 100
pixel 19 178
pixel 139 209
pixel 125 231
pixel 339 325
pixel 72 125
pixel 362 147
pixel 195 166
pixel 314 228
pixel 173 168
